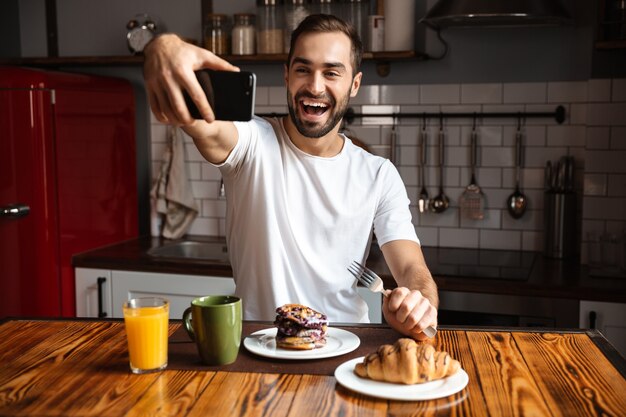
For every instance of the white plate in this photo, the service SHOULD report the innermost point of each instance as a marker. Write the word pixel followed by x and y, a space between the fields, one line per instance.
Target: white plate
pixel 427 391
pixel 338 342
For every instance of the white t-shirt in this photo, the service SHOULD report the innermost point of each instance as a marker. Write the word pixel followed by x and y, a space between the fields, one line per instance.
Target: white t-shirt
pixel 296 221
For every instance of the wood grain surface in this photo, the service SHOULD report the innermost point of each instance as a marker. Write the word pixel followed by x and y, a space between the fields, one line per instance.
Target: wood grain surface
pixel 80 368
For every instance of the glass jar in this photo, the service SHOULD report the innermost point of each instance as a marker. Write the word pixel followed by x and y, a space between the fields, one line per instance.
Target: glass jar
pixel 355 12
pixel 295 12
pixel 269 32
pixel 216 34
pixel 326 7
pixel 243 34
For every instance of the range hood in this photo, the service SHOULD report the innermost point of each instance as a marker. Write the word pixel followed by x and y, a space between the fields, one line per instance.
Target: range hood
pixel 479 13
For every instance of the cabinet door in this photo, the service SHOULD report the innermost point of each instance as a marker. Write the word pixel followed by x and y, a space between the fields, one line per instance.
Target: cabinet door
pixel 178 289
pixel 609 319
pixel 93 292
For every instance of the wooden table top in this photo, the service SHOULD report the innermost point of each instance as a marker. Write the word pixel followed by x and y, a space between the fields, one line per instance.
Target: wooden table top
pixel 80 367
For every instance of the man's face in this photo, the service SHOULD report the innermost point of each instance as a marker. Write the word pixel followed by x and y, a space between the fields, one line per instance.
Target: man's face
pixel 320 83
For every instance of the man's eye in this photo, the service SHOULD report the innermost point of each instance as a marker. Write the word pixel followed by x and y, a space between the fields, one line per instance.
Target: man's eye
pixel 302 70
pixel 332 74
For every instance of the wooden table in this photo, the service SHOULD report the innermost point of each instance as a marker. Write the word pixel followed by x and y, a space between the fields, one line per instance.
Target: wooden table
pixel 80 367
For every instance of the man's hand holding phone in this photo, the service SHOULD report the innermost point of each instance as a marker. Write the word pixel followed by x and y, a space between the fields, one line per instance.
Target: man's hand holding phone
pixel 230 94
pixel 169 69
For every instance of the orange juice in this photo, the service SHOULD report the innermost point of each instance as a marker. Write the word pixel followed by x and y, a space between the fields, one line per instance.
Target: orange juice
pixel 146 332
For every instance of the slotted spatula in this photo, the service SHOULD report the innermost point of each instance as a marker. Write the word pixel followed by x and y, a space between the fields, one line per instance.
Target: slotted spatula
pixel 472 200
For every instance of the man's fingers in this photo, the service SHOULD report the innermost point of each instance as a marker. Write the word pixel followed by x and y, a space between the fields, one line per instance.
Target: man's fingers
pixel 169 70
pixel 411 313
pixel 216 63
pixel 164 106
pixel 197 95
pixel 177 105
pixel 428 318
pixel 156 107
pixel 396 297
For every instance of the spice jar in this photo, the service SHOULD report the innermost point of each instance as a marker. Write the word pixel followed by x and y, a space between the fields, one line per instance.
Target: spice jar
pixel 243 34
pixel 216 34
pixel 295 12
pixel 269 27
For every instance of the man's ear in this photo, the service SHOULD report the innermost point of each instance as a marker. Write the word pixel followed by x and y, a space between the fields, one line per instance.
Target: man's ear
pixel 356 84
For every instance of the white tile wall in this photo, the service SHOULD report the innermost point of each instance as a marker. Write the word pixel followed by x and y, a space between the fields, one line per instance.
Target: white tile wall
pixel 604 203
pixel 599 90
pixel 572 92
pixel 594 133
pixel 525 93
pixel 481 93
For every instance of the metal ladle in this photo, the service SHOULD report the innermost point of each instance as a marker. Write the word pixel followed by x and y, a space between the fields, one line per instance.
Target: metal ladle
pixel 440 203
pixel 517 202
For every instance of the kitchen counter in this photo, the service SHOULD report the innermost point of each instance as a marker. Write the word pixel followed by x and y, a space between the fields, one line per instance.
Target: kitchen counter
pixel 80 367
pixel 464 270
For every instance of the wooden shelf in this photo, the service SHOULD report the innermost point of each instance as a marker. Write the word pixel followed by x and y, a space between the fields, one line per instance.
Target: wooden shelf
pixel 136 60
pixel 617 44
pixel 75 61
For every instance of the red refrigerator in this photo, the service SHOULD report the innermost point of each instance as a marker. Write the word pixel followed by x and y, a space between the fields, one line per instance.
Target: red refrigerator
pixel 67 182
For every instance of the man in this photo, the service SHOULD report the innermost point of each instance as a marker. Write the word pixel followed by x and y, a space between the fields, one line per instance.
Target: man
pixel 302 199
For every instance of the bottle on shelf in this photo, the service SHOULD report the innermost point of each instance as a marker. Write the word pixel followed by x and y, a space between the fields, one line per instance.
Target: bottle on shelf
pixel 399 25
pixel 216 34
pixel 243 34
pixel 270 27
pixel 356 12
pixel 331 7
pixel 295 12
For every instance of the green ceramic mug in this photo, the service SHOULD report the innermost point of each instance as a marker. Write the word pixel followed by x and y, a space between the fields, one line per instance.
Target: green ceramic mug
pixel 214 323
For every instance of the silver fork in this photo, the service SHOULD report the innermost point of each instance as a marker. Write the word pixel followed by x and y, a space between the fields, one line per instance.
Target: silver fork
pixel 374 283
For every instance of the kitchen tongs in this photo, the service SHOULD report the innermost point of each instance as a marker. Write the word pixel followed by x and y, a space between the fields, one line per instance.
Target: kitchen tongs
pixel 374 283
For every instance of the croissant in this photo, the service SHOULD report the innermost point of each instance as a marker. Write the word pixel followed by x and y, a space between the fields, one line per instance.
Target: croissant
pixel 407 362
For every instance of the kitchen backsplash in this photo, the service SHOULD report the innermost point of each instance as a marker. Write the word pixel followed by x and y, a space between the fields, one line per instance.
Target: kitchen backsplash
pixel 594 133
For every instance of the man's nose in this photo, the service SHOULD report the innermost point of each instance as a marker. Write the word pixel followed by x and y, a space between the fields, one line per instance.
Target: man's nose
pixel 316 83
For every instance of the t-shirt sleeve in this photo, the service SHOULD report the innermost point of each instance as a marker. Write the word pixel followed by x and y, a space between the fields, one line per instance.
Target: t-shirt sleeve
pixel 246 131
pixel 392 220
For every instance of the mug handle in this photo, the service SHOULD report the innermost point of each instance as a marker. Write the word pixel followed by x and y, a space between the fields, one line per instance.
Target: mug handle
pixel 187 323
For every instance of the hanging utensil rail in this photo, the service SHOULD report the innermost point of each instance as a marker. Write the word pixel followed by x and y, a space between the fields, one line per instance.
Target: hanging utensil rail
pixel 558 115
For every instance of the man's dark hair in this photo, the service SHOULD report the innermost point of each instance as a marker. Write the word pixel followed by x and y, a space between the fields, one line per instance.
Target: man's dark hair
pixel 324 23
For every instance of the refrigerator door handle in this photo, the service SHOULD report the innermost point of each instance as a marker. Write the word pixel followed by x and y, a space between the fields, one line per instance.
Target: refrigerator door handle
pixel 101 312
pixel 14 210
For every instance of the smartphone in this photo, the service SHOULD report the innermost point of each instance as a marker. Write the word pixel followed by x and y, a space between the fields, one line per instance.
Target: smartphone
pixel 230 94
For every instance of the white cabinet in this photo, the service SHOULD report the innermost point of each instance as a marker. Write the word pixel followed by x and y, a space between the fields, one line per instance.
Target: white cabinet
pixel 114 288
pixel 178 289
pixel 93 293
pixel 610 320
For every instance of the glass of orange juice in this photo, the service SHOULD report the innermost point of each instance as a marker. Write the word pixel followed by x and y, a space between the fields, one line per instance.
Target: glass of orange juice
pixel 146 320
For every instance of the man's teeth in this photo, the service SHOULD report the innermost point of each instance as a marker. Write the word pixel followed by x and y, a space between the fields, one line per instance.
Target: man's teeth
pixel 311 104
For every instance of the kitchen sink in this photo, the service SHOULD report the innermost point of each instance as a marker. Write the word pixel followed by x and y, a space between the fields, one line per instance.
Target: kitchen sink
pixel 187 249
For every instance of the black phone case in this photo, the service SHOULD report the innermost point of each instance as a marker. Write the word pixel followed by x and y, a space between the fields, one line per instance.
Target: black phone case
pixel 230 94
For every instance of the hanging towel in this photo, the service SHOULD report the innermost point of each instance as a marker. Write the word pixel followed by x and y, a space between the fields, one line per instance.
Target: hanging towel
pixel 171 192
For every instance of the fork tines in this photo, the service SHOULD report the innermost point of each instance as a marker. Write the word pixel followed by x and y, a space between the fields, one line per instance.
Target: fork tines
pixel 361 273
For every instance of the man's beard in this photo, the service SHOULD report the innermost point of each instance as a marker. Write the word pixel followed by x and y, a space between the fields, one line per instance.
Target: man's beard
pixel 312 130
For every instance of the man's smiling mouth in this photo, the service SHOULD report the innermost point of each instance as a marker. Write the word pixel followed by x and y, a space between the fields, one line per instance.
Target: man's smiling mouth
pixel 314 107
